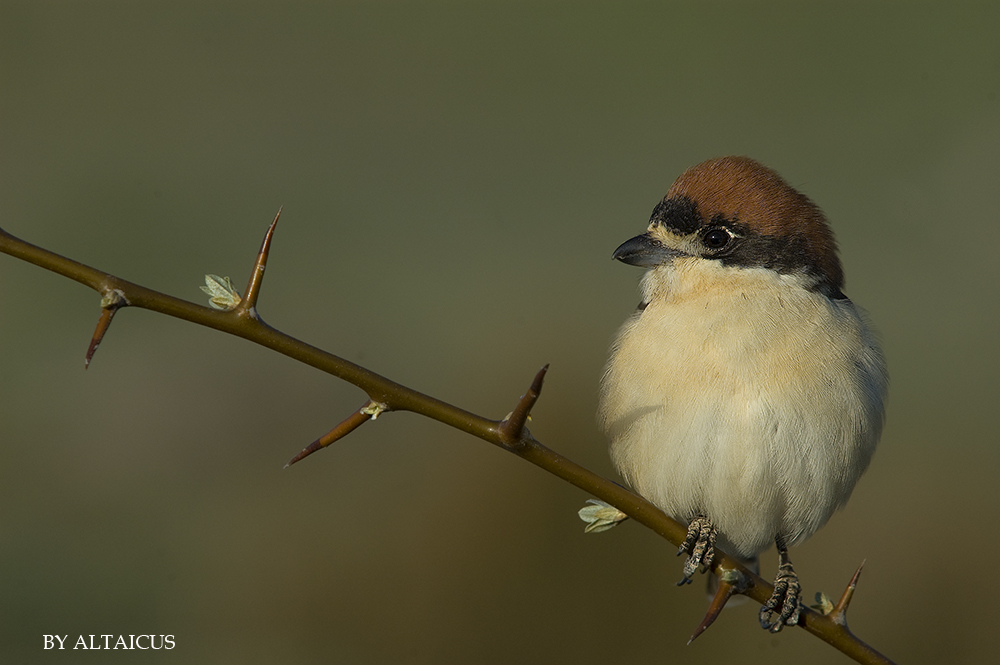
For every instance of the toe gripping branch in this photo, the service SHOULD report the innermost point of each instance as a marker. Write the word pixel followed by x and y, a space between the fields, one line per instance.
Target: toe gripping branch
pixel 784 602
pixel 699 545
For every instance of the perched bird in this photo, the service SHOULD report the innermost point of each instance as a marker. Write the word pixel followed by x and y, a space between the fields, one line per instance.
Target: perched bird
pixel 745 396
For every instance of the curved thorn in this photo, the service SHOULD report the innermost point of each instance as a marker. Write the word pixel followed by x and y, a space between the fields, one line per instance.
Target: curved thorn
pixel 348 425
pixel 512 426
pixel 249 301
pixel 722 596
pixel 110 304
pixel 103 324
pixel 839 613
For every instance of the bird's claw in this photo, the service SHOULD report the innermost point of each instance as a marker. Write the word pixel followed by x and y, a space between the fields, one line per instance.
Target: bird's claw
pixel 699 545
pixel 784 602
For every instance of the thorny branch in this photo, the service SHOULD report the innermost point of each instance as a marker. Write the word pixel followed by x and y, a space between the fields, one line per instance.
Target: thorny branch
pixel 510 433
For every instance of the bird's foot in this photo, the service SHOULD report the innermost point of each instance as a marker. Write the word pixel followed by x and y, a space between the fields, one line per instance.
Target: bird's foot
pixel 783 607
pixel 699 545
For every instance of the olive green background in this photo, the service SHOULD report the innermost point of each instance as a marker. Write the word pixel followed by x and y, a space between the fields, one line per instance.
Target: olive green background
pixel 454 179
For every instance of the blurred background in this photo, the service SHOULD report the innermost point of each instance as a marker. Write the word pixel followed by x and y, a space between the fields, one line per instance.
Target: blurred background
pixel 454 179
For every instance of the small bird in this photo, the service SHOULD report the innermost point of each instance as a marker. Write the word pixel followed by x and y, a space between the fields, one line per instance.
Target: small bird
pixel 745 396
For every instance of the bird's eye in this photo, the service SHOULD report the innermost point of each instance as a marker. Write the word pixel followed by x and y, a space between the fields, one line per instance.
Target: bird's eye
pixel 716 238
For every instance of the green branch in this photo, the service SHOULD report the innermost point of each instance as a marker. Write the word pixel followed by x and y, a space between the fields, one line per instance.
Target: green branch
pixel 241 319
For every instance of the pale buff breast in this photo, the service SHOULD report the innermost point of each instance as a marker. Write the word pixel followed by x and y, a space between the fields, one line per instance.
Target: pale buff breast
pixel 725 397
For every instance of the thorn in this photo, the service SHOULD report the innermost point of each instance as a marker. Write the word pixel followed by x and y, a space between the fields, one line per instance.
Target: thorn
pixel 839 613
pixel 722 596
pixel 351 423
pixel 110 304
pixel 512 426
pixel 249 302
pixel 103 324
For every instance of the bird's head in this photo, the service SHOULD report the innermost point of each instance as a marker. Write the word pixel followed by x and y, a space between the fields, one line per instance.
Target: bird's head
pixel 736 211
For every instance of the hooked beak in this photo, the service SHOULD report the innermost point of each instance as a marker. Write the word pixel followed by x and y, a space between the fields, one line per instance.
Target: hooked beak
pixel 645 251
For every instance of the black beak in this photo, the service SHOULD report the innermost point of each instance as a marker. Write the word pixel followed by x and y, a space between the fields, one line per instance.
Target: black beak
pixel 644 251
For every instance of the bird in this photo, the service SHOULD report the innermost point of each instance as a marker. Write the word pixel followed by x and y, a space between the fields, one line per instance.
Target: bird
pixel 746 394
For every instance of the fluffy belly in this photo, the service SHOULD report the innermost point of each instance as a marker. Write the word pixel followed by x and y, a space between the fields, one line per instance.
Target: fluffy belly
pixel 761 423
